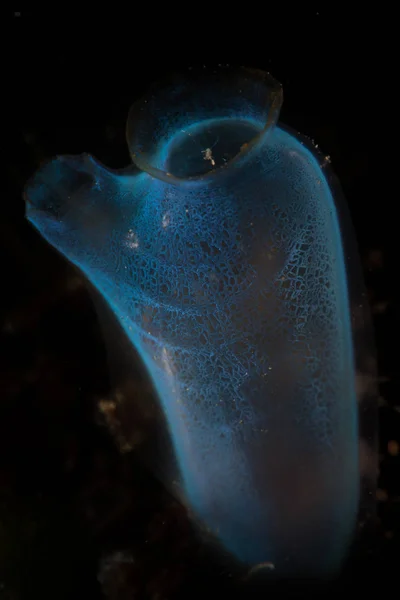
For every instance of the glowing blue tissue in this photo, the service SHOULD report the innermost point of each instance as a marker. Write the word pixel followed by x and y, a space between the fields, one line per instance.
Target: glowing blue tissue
pixel 221 253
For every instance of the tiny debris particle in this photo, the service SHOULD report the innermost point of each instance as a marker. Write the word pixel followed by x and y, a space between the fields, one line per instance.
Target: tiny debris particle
pixel 393 448
pixel 375 259
pixel 380 307
pixel 125 447
pixel 107 406
pixel 381 495
pixel 382 401
pixel 207 155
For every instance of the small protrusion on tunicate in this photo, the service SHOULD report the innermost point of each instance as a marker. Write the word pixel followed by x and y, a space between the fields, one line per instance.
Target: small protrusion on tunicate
pixel 263 567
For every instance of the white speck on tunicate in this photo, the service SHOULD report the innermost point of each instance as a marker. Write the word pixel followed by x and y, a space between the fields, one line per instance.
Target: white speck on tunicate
pixel 132 240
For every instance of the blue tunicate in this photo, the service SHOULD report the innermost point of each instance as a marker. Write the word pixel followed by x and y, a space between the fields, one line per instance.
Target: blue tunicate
pixel 221 252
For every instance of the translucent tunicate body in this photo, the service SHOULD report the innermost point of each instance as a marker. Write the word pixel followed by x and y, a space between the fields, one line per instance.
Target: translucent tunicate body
pixel 222 254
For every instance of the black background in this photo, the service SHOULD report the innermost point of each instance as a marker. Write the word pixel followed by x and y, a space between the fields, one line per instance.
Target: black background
pixel 68 495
